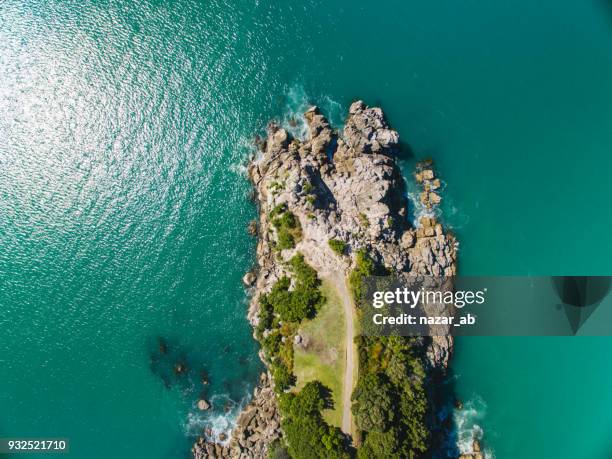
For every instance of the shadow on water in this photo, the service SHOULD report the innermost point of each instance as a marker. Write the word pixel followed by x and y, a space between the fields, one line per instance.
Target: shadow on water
pixel 405 152
pixel 607 6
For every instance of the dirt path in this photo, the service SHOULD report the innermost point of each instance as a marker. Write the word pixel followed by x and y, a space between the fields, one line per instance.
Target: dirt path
pixel 339 281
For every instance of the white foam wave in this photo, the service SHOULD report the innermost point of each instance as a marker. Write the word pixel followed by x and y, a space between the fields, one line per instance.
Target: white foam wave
pixel 420 210
pixel 293 120
pixel 246 148
pixel 218 420
pixel 468 421
pixel 298 101
pixel 334 111
pixel 239 169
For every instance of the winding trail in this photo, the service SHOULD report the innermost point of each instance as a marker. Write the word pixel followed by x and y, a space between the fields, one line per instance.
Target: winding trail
pixel 339 281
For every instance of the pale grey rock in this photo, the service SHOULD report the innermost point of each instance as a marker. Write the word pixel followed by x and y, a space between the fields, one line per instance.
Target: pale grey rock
pixel 249 279
pixel 203 405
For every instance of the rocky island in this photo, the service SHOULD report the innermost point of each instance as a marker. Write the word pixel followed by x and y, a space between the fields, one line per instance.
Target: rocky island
pixel 333 210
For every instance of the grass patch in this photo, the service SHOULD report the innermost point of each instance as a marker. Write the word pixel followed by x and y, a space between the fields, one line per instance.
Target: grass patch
pixel 324 357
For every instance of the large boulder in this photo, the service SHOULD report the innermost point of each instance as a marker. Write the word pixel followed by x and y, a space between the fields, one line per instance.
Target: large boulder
pixel 249 279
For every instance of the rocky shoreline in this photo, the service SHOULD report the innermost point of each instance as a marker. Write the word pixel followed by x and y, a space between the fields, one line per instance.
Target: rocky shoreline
pixel 343 187
pixel 257 426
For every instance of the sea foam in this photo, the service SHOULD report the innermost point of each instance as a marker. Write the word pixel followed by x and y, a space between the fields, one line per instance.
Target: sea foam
pixel 467 422
pixel 216 421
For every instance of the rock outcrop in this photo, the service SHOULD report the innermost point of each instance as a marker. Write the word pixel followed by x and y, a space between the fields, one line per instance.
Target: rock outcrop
pixel 256 428
pixel 340 186
pixel 476 452
pixel 349 188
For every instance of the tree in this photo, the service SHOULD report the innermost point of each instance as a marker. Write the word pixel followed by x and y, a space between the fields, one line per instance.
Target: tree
pixel 308 435
pixel 381 445
pixel 301 302
pixel 372 403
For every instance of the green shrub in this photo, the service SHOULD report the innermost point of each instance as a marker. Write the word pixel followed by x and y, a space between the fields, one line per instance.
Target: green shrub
pixel 305 298
pixel 364 266
pixel 272 343
pixel 283 379
pixel 285 239
pixel 337 246
pixel 305 274
pixel 381 445
pixel 363 219
pixel 277 210
pixel 287 227
pixel 285 220
pixel 266 315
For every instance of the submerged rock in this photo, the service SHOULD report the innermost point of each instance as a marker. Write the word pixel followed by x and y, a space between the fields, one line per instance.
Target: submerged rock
pixel 252 228
pixel 180 368
pixel 162 346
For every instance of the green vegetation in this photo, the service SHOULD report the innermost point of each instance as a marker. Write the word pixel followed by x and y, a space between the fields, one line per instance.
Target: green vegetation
pixel 363 219
pixel 390 405
pixel 289 307
pixel 277 210
pixel 283 378
pixel 337 246
pixel 389 402
pixel 278 451
pixel 324 358
pixel 287 227
pixel 381 445
pixel 276 187
pixel 285 240
pixel 373 406
pixel 307 434
pixel 297 304
pixel 364 266
pixel 307 187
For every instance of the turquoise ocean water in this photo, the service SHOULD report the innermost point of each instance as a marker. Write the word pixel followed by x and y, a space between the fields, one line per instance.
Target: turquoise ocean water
pixel 123 204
